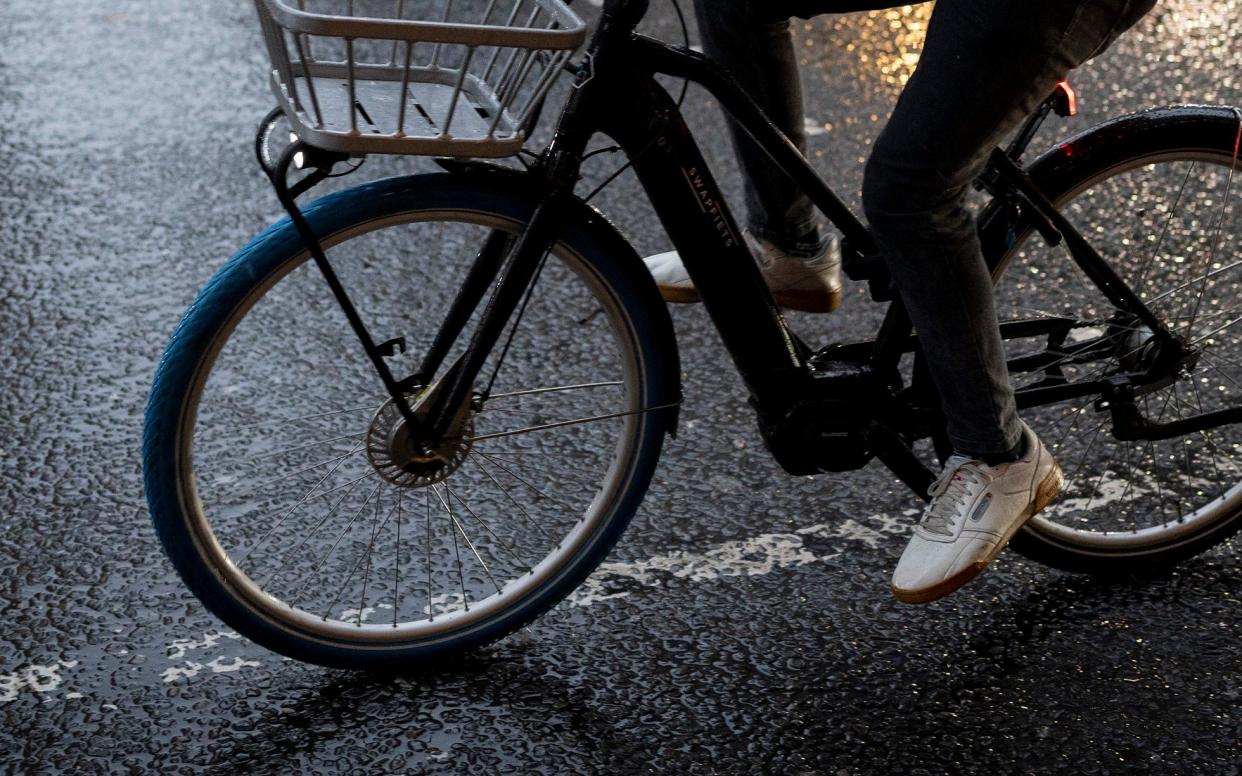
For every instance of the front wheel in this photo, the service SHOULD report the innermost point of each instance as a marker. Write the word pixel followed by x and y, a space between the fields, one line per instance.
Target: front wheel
pixel 269 443
pixel 1156 195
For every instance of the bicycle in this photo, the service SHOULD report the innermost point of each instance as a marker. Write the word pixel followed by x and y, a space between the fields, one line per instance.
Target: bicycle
pixel 337 513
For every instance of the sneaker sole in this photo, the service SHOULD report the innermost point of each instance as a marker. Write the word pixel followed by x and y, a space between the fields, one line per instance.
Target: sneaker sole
pixel 809 301
pixel 802 301
pixel 679 294
pixel 1044 495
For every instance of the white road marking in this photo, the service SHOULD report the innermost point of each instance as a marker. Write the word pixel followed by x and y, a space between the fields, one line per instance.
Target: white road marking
pixel 220 665
pixel 180 647
pixel 35 678
pixel 351 615
pixel 759 555
pixel 754 556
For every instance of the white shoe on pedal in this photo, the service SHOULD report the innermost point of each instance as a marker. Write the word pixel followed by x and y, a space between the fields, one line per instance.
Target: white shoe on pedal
pixel 807 284
pixel 975 510
pixel 671 278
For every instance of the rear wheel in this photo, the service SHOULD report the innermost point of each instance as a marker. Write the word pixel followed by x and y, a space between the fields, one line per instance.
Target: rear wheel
pixel 281 481
pixel 1156 195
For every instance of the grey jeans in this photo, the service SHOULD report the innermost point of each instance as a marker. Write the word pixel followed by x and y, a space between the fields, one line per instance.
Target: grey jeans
pixel 986 64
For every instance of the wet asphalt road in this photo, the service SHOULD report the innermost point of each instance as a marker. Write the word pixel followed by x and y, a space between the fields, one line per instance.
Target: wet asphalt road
pixel 748 626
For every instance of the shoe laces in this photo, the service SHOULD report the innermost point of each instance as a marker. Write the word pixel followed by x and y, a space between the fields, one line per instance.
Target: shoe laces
pixel 951 493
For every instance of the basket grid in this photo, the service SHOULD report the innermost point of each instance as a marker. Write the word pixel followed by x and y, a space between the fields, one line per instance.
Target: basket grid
pixel 437 77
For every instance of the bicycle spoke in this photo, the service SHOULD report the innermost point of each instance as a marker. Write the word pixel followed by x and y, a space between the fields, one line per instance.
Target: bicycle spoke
pixel 505 492
pixel 332 550
pixel 511 410
pixel 523 453
pixel 471 544
pixel 1151 259
pixel 1177 496
pixel 293 553
pixel 508 549
pixel 316 416
pixel 1099 428
pixel 1208 440
pixel 461 578
pixel 396 584
pixel 303 470
pixel 1065 434
pixel 564 423
pixel 1217 237
pixel 1177 410
pixel 431 607
pixel 366 575
pixel 1211 365
pixel 1155 464
pixel 1120 503
pixel 557 389
pixel 305 498
pixel 1217 356
pixel 306 446
pixel 517 319
pixel 376 527
pixel 1216 331
pixel 1100 479
pixel 515 476
pixel 1187 284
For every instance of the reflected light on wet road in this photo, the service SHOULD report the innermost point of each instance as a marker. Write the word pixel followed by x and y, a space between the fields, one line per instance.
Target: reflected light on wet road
pixel 887 43
pixel 883 47
pixel 1203 66
pixel 1219 17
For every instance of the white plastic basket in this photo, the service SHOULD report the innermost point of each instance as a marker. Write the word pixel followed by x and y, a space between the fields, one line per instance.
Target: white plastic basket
pixel 429 77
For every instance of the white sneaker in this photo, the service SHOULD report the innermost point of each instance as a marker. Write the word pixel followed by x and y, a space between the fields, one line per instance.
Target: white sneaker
pixel 812 285
pixel 975 510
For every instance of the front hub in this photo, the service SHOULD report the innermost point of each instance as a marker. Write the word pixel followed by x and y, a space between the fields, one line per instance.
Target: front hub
pixel 402 459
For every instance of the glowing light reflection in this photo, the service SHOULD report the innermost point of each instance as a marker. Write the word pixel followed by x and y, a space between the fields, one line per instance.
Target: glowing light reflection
pixel 1180 42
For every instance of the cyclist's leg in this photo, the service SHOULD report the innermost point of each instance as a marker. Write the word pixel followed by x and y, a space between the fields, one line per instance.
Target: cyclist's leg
pixel 752 40
pixel 800 265
pixel 985 65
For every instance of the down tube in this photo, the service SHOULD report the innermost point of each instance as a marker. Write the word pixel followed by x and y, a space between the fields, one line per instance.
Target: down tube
pixel 690 206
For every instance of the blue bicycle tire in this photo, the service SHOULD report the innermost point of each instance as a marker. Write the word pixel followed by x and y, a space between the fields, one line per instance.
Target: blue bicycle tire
pixel 503 198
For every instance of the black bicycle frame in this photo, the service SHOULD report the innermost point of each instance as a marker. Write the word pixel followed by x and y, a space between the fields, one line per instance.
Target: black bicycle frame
pixel 616 94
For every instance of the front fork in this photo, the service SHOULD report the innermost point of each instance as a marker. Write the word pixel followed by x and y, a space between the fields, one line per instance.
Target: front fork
pixel 508 265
